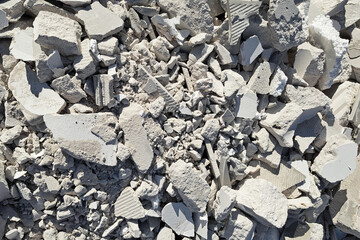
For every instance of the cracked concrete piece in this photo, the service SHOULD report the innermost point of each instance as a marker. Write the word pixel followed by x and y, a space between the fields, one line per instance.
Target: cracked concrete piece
pixel 4 188
pixel 246 105
pixel 84 64
pixel 306 132
pixel 74 134
pixel 337 159
pixel 224 202
pixel 54 31
pixel 99 21
pixel 250 49
pixel 263 201
pixel 104 89
pixel 68 89
pixel 37 98
pixel 49 66
pixel 352 9
pixel 128 205
pixel 23 46
pixel 309 63
pixel 260 80
pixel 324 35
pixel 178 217
pixel 286 25
pixel 239 226
pixel 192 188
pixel 211 129
pixel 136 139
pixel 345 204
pixel 188 12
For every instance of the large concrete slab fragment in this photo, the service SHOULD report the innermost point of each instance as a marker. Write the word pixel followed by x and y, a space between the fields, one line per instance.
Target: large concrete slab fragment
pixel 90 137
pixel 179 218
pixel 37 98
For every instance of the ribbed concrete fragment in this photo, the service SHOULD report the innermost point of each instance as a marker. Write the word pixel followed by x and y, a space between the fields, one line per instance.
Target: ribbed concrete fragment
pixel 136 139
pixel 99 21
pixel 178 217
pixel 192 188
pixel 90 137
pixel 128 205
pixel 37 98
pixel 54 31
pixel 104 89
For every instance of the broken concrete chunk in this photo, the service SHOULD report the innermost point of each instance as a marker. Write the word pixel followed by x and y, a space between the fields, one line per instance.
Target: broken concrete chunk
pixel 84 64
pixel 178 217
pixel 337 159
pixel 224 55
pixel 324 35
pixel 76 3
pixel 52 185
pixel 108 46
pixel 355 65
pixel 352 9
pixel 68 89
pixel 49 67
pixel 193 189
pixel 239 226
pixel 165 234
pixel 14 9
pixel 9 135
pixel 128 205
pixel 199 53
pixel 303 167
pixel 136 141
pixel 23 46
pixel 104 89
pixel 299 230
pixel 278 83
pixel 309 63
pixel 246 105
pixel 306 132
pixel 47 34
pixel 37 98
pixel 260 80
pixel 250 50
pixel 99 21
pixel 188 11
pixel 201 224
pixel 73 132
pixel 160 47
pixel 224 202
pixel 156 107
pixel 4 188
pixel 286 25
pixel 4 22
pixel 354 46
pixel 211 129
pixel 262 200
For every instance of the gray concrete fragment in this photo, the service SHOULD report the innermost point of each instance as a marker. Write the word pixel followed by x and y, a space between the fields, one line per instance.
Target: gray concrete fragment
pixel 104 89
pixel 14 9
pixel 224 55
pixel 188 11
pixel 260 80
pixel 309 63
pixel 337 159
pixel 354 46
pixel 136 141
pixel 199 53
pixel 76 3
pixel 37 98
pixel 211 129
pixel 9 135
pixel 298 230
pixel 84 64
pixel 246 105
pixel 250 49
pixel 4 188
pixel 278 83
pixel 68 88
pixel 165 234
pixel 352 8
pixel 90 137
pixel 178 217
pixel 262 200
pixel 54 31
pixel 128 205
pixel 193 189
pixel 201 224
pixel 355 65
pixel 239 226
pixel 224 202
pixel 49 67
pixel 99 21
pixel 23 46
pixel 108 46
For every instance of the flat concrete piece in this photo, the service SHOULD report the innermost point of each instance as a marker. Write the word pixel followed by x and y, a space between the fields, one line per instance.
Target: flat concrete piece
pixel 178 217
pixel 250 49
pixel 239 226
pixel 90 137
pixel 23 46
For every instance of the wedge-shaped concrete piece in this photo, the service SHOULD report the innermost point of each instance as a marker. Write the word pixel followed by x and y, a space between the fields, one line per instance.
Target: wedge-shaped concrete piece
pixel 323 34
pixel 90 137
pixel 262 200
pixel 4 22
pixel 37 98
pixel 178 217
pixel 23 46
pixel 128 205
pixel 199 53
pixel 68 89
pixel 224 202
pixel 192 188
pixel 239 226
pixel 99 21
pixel 14 9
pixel 136 139
pixel 337 159
pixel 260 80
pixel 352 9
pixel 54 31
pixel 250 49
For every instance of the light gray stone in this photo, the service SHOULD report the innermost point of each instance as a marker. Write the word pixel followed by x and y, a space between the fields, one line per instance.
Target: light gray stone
pixel 4 22
pixel 9 135
pixel 178 217
pixel 239 226
pixel 4 188
pixel 84 64
pixel 211 129
pixel 224 202
pixel 14 9
pixel 23 46
pixel 68 89
pixel 246 105
pixel 260 80
pixel 76 3
pixel 250 49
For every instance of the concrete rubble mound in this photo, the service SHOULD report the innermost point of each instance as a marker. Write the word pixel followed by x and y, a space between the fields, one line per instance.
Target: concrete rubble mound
pixel 192 119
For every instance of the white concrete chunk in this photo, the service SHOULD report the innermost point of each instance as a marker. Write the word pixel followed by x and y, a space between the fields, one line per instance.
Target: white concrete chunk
pixel 260 80
pixel 201 224
pixel 211 129
pixel 352 9
pixel 246 105
pixel 37 98
pixel 84 64
pixel 165 234
pixel 99 21
pixel 192 188
pixel 250 49
pixel 178 217
pixel 199 53
pixel 23 46
pixel 262 200
pixel 9 135
pixel 303 167
pixel 354 46
pixel 90 137
pixel 4 188
pixel 224 202
pixel 54 31
pixel 224 55
pixel 128 205
pixel 337 159
pixel 239 226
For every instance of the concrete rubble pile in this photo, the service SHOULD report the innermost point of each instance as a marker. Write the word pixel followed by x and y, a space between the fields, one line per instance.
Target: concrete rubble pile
pixel 161 119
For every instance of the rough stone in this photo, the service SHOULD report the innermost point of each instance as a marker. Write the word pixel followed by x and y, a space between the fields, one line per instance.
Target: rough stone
pixel 262 200
pixel 354 45
pixel 84 64
pixel 352 9
pixel 250 49
pixel 104 89
pixel 199 53
pixel 23 46
pixel 99 21
pixel 193 189
pixel 14 9
pixel 178 217
pixel 239 226
pixel 47 34
pixel 37 98
pixel 9 135
pixel 68 88
pixel 90 137
pixel 260 80
pixel 211 129
pixel 224 202
pixel 4 188
pixel 246 105
pixel 278 83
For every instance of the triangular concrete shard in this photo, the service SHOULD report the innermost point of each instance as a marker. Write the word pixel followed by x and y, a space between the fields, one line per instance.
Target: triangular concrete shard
pixel 90 137
pixel 128 205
